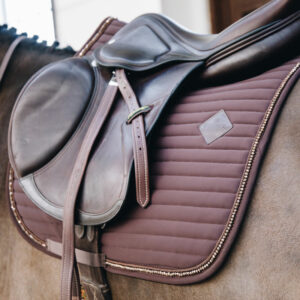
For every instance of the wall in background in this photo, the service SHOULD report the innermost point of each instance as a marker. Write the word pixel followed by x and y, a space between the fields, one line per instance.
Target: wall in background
pixel 226 12
pixel 2 12
pixel 193 14
pixel 77 19
pixel 73 21
pixel 31 16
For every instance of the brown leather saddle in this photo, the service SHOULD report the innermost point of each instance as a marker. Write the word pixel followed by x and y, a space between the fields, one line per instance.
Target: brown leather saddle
pixel 81 127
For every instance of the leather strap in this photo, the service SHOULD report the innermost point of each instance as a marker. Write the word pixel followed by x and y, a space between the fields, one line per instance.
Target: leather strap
pixel 68 256
pixel 94 283
pixel 87 258
pixel 93 279
pixel 8 55
pixel 75 285
pixel 139 139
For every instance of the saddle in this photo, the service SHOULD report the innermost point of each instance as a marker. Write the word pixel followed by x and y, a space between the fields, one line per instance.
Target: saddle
pixel 81 129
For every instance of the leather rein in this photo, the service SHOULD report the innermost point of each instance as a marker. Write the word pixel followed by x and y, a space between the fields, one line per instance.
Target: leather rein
pixel 8 55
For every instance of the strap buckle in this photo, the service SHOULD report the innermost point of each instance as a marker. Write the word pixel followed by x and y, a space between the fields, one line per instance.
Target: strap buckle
pixel 141 110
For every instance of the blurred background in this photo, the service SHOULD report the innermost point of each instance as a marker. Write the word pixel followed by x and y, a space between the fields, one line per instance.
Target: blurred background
pixel 71 22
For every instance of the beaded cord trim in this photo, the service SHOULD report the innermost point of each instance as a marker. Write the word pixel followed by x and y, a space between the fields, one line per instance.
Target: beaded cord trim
pixel 16 214
pixel 94 39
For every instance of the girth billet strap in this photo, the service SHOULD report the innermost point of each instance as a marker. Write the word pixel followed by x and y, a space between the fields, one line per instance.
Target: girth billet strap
pixel 136 118
pixel 76 287
pixel 8 55
pixel 92 277
pixel 68 257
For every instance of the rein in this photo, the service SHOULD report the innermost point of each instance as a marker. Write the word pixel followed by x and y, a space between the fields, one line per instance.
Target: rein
pixel 8 55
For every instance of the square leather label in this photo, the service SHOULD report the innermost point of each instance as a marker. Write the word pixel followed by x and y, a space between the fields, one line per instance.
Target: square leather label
pixel 215 127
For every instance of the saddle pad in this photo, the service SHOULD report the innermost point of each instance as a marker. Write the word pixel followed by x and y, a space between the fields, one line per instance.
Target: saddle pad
pixel 47 148
pixel 199 191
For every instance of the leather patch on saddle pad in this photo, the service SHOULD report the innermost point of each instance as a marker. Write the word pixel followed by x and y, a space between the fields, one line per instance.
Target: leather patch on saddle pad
pixel 215 127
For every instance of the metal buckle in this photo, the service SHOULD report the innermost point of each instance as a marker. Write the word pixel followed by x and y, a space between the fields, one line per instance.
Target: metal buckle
pixel 137 112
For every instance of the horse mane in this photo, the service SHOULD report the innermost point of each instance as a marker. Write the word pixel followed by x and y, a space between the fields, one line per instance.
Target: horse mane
pixel 10 33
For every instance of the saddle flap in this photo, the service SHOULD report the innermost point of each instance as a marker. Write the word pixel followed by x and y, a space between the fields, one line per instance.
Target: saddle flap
pixel 47 127
pixel 53 103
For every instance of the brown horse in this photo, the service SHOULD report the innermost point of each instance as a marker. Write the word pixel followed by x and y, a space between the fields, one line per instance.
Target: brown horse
pixel 263 264
pixel 15 276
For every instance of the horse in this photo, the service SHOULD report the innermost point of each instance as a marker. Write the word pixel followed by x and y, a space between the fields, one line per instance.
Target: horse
pixel 15 276
pixel 264 262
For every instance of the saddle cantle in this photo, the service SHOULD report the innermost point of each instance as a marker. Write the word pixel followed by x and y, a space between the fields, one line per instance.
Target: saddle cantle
pixel 77 128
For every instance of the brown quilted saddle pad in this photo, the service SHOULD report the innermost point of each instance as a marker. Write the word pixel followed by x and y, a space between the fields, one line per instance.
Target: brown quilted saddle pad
pixel 199 191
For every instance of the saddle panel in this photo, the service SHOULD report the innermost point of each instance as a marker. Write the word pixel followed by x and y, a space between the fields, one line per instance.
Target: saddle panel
pixel 269 52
